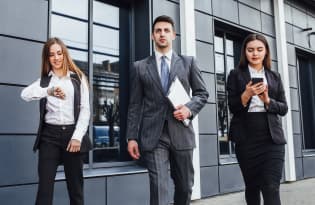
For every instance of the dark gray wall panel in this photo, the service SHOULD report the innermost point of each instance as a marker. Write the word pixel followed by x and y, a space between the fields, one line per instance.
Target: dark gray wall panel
pixel 176 45
pixel 209 181
pixel 208 146
pixel 252 3
pixel 291 54
pixel 267 25
pixel 230 178
pixel 18 195
pixel 203 27
pixel 288 13
pixel 21 165
pixel 273 47
pixel 60 193
pixel 311 23
pixel 164 7
pixel 294 99
pixel 299 168
pixel 207 120
pixel 17 116
pixel 274 66
pixel 297 139
pixel 296 122
pixel 293 77
pixel 204 54
pixel 20 61
pixel 254 22
pixel 128 189
pixel 210 85
pixel 289 32
pixel 300 38
pixel 309 166
pixel 267 6
pixel 203 5
pixel 299 18
pixel 27 19
pixel 95 191
pixel 226 9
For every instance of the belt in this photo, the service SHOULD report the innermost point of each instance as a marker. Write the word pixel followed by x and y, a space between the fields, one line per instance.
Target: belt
pixel 59 127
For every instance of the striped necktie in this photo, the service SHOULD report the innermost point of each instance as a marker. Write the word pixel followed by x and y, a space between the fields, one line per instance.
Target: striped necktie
pixel 164 74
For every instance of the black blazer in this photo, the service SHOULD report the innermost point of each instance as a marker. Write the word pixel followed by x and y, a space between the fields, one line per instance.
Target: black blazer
pixel 236 84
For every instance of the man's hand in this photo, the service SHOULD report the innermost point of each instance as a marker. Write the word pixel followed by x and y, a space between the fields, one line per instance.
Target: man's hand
pixel 133 149
pixel 74 146
pixel 181 112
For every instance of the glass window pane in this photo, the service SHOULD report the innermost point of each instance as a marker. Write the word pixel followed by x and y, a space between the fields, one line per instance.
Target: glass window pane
pixel 105 14
pixel 222 122
pixel 74 33
pixel 105 40
pixel 229 64
pixel 67 7
pixel 81 60
pixel 219 63
pixel 218 44
pixel 229 47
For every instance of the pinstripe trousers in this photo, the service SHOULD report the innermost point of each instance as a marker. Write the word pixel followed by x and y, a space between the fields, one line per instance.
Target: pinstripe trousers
pixel 158 162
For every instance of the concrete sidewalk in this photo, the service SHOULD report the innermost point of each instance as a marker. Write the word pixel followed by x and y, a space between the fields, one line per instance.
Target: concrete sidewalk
pixel 295 193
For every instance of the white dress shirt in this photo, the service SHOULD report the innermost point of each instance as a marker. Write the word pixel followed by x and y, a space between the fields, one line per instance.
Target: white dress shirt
pixel 256 104
pixel 61 111
pixel 158 57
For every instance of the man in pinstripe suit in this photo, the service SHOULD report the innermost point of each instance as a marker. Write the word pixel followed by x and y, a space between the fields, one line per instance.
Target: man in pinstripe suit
pixel 154 124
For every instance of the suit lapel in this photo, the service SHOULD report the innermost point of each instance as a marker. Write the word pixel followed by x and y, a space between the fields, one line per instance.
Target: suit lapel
pixel 245 74
pixel 175 68
pixel 152 69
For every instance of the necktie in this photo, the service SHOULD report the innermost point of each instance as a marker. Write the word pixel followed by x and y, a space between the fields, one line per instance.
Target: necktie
pixel 164 74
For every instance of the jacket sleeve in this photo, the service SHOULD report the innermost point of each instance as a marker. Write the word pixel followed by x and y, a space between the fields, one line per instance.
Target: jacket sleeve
pixel 234 94
pixel 135 103
pixel 199 92
pixel 278 105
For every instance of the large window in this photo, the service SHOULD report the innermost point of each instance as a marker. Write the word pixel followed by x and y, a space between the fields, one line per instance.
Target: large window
pixel 306 67
pixel 227 53
pixel 103 58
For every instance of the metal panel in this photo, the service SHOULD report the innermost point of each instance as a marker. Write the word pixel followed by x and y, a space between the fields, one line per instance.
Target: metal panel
pixel 294 99
pixel 300 38
pixel 273 47
pixel 20 61
pixel 230 178
pixel 299 168
pixel 226 9
pixel 26 19
pixel 203 27
pixel 18 195
pixel 291 54
pixel 19 162
pixel 268 25
pixel 210 85
pixel 203 5
pixel 204 53
pixel 267 6
pixel 208 150
pixel 297 145
pixel 61 193
pixel 209 181
pixel 94 191
pixel 293 77
pixel 299 18
pixel 309 166
pixel 289 32
pixel 128 189
pixel 17 116
pixel 254 22
pixel 164 7
pixel 296 122
pixel 288 13
pixel 252 3
pixel 207 120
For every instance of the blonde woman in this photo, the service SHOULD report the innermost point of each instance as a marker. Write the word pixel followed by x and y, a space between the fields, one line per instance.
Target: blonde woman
pixel 63 93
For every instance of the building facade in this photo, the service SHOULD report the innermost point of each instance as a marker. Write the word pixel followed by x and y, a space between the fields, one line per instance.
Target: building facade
pixel 104 38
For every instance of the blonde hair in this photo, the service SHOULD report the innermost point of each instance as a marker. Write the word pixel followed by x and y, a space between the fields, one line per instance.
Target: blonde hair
pixel 67 64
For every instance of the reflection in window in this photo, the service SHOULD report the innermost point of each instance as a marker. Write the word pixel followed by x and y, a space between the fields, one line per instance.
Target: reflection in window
pixel 106 123
pixel 67 7
pixel 225 58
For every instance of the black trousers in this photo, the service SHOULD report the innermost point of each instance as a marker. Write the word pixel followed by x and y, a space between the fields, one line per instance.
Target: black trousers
pixel 52 152
pixel 158 162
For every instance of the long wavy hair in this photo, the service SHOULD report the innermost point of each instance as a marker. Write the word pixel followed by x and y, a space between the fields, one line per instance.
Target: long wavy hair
pixel 251 37
pixel 67 65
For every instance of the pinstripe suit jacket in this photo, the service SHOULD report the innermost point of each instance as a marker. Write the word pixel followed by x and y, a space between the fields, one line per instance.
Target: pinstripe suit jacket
pixel 149 108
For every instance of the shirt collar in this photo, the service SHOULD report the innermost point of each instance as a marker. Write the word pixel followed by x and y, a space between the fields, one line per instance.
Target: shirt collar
pixel 168 55
pixel 254 71
pixel 51 73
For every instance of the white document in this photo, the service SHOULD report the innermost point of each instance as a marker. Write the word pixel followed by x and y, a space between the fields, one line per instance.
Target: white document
pixel 178 96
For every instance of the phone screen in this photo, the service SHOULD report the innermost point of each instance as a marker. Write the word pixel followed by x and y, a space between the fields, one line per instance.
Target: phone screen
pixel 257 80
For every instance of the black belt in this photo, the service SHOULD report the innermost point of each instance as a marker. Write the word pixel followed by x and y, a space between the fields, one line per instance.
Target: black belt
pixel 59 127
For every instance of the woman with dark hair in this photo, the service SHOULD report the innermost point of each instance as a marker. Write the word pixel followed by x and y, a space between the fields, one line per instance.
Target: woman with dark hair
pixel 64 118
pixel 256 99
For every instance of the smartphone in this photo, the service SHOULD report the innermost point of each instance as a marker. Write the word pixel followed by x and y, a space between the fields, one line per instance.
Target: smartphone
pixel 257 80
